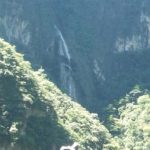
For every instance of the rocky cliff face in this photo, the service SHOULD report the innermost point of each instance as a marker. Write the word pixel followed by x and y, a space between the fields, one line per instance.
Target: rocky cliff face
pixel 95 51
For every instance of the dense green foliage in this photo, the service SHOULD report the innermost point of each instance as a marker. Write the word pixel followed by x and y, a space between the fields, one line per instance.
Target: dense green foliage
pixel 33 110
pixel 132 125
pixel 34 114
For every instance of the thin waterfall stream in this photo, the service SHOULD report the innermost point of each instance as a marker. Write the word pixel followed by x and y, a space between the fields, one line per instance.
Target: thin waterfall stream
pixel 67 81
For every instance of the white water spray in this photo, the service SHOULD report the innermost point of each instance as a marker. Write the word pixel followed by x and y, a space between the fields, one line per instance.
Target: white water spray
pixel 64 51
pixel 66 78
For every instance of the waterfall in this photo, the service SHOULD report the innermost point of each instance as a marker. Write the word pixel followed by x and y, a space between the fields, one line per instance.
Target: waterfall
pixel 64 51
pixel 67 81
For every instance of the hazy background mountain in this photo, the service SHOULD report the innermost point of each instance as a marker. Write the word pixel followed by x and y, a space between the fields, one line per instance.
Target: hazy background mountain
pixel 94 50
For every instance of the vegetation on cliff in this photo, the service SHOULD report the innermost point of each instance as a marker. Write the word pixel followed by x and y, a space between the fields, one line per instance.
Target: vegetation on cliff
pixel 131 122
pixel 35 114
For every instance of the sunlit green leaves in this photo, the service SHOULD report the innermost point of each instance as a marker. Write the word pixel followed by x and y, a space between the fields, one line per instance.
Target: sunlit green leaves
pixel 33 110
pixel 134 125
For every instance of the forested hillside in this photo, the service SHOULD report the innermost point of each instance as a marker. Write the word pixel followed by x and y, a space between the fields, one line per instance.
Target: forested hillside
pixel 130 123
pixel 33 110
pixel 94 50
pixel 35 114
